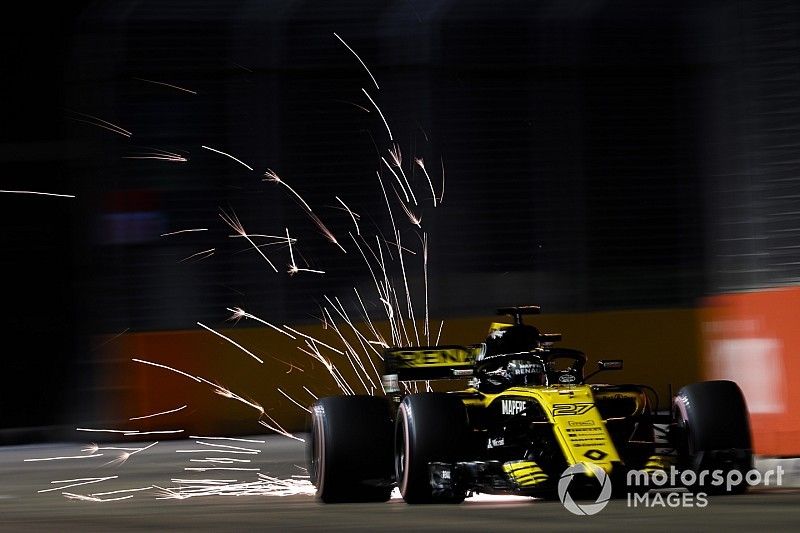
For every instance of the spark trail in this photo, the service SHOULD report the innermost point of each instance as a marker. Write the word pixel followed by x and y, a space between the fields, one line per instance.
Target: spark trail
pixel 228 156
pixel 272 177
pixel 359 59
pixel 355 332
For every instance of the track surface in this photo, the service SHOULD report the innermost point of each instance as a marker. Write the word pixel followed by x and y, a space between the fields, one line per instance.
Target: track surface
pixel 23 508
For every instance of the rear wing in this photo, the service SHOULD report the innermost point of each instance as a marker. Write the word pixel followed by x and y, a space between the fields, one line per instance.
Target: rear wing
pixel 432 362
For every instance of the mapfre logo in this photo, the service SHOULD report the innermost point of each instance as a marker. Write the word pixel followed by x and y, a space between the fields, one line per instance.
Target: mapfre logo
pixel 512 407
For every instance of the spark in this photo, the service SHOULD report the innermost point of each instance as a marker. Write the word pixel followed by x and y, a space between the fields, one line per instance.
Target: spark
pixel 440 332
pixel 359 336
pixel 248 352
pixel 103 430
pixel 389 207
pixel 228 447
pixel 99 122
pixel 425 278
pixel 239 313
pixel 366 261
pixel 123 457
pixel 229 438
pixel 73 496
pixel 397 159
pixel 311 393
pixel 407 250
pixel 39 193
pixel 298 404
pixel 408 293
pixel 205 253
pixel 121 491
pixel 167 85
pixel 237 65
pixel 441 197
pixel 352 215
pixel 63 457
pixel 204 469
pixel 165 432
pixel 314 340
pixel 83 481
pixel 245 350
pixel 362 108
pixel 417 221
pixel 377 335
pixel 206 451
pixel 220 460
pixel 349 351
pixel 293 268
pixel 421 165
pixel 398 314
pixel 280 238
pixel 329 366
pixel 211 481
pixel 228 155
pixel 359 59
pixel 183 231
pixel 265 486
pixel 94 448
pixel 396 177
pixel 236 225
pixel 166 368
pixel 342 313
pixel 277 428
pixel 157 156
pixel 107 341
pixel 226 393
pixel 159 414
pixel 378 109
pixel 272 177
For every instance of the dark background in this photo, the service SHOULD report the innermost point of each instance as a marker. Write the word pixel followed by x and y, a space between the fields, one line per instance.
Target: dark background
pixel 598 155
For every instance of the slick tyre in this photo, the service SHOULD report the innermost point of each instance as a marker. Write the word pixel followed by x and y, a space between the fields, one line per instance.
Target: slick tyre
pixel 350 449
pixel 712 431
pixel 429 427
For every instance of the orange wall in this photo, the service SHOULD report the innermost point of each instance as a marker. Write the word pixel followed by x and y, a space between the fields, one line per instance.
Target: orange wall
pixel 660 347
pixel 753 339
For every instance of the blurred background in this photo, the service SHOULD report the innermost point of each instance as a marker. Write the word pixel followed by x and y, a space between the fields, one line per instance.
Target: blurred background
pixel 631 167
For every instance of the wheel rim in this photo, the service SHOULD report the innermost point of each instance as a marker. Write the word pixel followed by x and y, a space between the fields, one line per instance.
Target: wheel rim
pixel 318 451
pixel 401 450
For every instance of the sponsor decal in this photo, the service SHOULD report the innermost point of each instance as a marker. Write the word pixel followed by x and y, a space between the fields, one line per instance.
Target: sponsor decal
pixel 571 409
pixel 513 407
pixel 595 455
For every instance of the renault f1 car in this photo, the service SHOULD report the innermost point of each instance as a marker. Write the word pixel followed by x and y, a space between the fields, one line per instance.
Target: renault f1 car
pixel 527 414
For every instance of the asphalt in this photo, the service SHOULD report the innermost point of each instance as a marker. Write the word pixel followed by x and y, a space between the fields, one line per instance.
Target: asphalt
pixel 277 497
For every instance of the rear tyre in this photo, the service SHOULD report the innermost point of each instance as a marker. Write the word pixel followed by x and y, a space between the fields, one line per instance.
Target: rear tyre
pixel 350 449
pixel 711 431
pixel 430 427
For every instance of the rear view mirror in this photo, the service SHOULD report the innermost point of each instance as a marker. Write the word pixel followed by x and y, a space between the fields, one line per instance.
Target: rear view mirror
pixel 607 364
pixel 610 364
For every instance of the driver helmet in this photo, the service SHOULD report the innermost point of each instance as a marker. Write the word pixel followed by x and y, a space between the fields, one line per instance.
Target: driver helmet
pixel 525 372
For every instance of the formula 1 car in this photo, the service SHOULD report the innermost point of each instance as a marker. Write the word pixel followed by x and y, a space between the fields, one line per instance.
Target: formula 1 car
pixel 526 415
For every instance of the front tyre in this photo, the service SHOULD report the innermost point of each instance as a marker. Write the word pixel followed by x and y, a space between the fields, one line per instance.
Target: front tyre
pixel 350 449
pixel 430 427
pixel 711 431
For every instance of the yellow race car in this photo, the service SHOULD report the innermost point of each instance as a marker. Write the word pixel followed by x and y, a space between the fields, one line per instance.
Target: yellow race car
pixel 526 416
